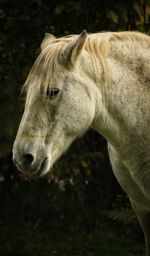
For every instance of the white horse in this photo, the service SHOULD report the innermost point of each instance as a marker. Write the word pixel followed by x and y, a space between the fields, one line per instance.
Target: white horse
pixel 101 81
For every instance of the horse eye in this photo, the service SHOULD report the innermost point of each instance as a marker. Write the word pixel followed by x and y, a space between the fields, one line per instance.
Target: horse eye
pixel 52 92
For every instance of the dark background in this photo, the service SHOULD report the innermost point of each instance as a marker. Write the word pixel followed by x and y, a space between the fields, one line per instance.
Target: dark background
pixel 82 210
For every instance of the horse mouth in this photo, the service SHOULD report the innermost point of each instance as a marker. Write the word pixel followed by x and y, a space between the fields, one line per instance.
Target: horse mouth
pixel 43 169
pixel 37 171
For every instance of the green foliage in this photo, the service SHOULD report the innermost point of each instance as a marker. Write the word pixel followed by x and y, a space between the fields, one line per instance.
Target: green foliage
pixel 121 210
pixel 123 215
pixel 41 220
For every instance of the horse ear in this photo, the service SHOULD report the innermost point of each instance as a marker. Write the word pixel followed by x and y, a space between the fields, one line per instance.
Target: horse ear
pixel 73 50
pixel 47 39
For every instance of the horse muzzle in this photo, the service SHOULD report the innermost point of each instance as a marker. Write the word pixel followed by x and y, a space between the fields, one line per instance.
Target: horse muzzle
pixel 30 157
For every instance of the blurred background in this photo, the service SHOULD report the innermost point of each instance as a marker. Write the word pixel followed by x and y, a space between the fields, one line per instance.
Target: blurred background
pixel 81 210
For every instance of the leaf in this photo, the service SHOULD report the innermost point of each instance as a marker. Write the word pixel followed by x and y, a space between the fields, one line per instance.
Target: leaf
pixel 59 9
pixel 113 16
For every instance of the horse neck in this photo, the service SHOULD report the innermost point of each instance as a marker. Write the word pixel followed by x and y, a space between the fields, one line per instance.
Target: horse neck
pixel 128 72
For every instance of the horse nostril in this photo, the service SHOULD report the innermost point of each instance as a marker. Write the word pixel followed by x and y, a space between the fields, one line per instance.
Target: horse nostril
pixel 28 158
